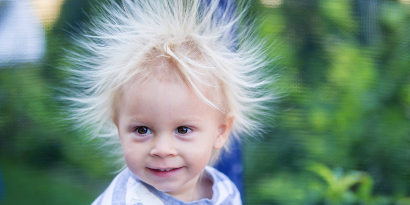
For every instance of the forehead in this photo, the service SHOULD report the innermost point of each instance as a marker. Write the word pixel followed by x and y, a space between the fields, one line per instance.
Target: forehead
pixel 159 89
pixel 162 99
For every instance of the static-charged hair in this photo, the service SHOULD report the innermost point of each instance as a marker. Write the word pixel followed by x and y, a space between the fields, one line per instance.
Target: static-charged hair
pixel 209 42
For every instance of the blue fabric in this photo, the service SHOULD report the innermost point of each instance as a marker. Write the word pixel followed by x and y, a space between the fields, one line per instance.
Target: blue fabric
pixel 231 165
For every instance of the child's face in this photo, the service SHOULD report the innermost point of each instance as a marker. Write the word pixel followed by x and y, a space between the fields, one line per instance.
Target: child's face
pixel 167 134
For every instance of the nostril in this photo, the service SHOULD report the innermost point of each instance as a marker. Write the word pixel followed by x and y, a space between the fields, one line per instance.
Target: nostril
pixel 163 146
pixel 163 152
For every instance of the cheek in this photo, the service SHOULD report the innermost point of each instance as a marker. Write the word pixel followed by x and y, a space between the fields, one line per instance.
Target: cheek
pixel 198 153
pixel 135 161
pixel 133 154
pixel 197 159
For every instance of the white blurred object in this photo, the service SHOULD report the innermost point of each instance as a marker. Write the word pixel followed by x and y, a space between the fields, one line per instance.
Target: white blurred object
pixel 22 36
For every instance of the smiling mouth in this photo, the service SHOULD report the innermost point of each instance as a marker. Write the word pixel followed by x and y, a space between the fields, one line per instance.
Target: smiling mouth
pixel 164 170
pixel 165 173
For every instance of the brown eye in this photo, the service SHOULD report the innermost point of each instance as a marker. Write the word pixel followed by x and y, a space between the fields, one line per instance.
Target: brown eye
pixel 143 130
pixel 183 130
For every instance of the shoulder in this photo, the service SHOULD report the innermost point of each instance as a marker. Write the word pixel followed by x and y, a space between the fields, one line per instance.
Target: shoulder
pixel 224 190
pixel 119 191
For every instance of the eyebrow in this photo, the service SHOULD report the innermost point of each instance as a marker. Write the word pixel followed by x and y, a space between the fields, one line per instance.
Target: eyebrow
pixel 189 119
pixel 139 119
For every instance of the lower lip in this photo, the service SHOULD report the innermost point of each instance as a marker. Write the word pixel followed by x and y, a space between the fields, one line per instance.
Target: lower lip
pixel 164 173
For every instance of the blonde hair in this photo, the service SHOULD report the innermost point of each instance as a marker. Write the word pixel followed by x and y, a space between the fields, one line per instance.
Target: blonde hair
pixel 210 44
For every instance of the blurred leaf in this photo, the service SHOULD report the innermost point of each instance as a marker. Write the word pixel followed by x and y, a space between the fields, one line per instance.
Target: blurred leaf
pixel 339 12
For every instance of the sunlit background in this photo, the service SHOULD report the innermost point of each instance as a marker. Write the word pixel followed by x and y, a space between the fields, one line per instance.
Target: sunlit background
pixel 340 135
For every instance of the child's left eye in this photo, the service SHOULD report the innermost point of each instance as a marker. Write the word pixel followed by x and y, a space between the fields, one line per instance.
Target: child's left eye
pixel 182 130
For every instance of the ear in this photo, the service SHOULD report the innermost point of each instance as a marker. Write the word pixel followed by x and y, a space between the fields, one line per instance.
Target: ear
pixel 223 131
pixel 115 121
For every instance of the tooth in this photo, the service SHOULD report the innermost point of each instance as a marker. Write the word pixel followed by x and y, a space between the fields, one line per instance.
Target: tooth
pixel 162 170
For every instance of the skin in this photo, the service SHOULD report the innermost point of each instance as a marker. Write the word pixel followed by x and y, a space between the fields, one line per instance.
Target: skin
pixel 162 124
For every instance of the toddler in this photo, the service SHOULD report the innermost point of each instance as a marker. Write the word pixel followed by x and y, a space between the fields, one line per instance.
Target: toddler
pixel 171 82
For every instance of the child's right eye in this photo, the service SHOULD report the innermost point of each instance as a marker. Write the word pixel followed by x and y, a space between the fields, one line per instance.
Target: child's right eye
pixel 143 130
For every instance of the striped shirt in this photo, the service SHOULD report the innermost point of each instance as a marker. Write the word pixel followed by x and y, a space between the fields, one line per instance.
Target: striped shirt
pixel 126 189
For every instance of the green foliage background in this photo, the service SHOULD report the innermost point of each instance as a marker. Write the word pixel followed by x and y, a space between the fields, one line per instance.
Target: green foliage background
pixel 341 134
pixel 347 68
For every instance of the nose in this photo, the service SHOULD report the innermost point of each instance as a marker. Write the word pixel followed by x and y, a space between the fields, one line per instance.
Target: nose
pixel 163 147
